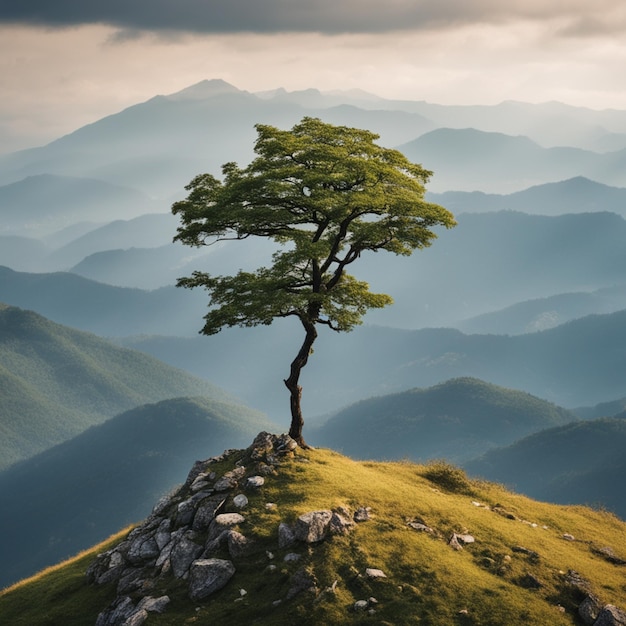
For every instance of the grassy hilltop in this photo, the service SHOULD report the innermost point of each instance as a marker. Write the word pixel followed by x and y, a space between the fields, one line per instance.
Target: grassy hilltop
pixel 522 568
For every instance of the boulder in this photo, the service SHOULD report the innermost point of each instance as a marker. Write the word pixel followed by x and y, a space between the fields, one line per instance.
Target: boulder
pixel 589 609
pixel 312 527
pixel 206 512
pixel 206 576
pixel 611 616
pixel 183 554
pixel 223 522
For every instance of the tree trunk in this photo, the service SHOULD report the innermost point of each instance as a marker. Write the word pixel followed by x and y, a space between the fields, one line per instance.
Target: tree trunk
pixel 295 390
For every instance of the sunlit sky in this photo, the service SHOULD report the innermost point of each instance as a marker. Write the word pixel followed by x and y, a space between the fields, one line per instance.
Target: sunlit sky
pixel 67 63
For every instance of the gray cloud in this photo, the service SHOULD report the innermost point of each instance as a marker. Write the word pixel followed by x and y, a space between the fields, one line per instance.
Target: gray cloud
pixel 325 16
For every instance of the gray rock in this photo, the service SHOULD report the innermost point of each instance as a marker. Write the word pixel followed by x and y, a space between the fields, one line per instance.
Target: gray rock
pixel 254 482
pixel 284 443
pixel 117 613
pixel 361 605
pixel 286 536
pixel 362 514
pixel 182 556
pixel 454 543
pixel 206 512
pixel 238 544
pixel 340 522
pixel 136 619
pixel 372 572
pixel 419 526
pixel 611 616
pixel 223 522
pixel 230 479
pixel 240 501
pixel 312 527
pixel 154 605
pixel 206 576
pixel 608 554
pixel 132 579
pixel 589 609
pixel 142 549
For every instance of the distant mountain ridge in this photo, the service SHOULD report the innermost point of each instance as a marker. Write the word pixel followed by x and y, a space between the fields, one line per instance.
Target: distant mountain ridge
pixel 574 195
pixel 109 476
pixel 157 146
pixel 57 381
pixel 44 203
pixel 455 420
pixel 578 463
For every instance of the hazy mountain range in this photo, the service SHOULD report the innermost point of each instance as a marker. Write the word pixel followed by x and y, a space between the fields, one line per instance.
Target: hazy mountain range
pixel 57 381
pixel 526 295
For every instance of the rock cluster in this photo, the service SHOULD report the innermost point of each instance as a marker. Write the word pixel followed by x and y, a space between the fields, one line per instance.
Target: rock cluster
pixel 198 536
pixel 188 529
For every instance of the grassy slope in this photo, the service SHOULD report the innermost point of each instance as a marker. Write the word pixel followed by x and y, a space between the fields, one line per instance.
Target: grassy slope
pixel 427 582
pixel 57 381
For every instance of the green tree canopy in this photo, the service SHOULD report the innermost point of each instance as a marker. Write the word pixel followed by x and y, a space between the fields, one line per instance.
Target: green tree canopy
pixel 325 194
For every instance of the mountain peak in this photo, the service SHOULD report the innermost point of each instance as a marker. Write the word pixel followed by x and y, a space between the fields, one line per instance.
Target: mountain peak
pixel 205 89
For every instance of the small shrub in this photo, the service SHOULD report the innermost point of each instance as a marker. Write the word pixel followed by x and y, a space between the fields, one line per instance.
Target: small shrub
pixel 448 477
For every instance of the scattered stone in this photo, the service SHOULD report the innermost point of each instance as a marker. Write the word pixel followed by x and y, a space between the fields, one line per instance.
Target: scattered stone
pixel 290 557
pixel 361 605
pixel 569 537
pixel 340 522
pixel 312 527
pixel 286 536
pixel 464 538
pixel 154 605
pixel 419 525
pixel 371 572
pixel 608 554
pixel 454 543
pixel 503 512
pixel 574 579
pixel 255 482
pixel 271 506
pixel 240 501
pixel 362 514
pixel 206 576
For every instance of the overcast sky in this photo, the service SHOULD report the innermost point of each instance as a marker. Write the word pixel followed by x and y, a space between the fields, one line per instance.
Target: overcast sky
pixel 65 63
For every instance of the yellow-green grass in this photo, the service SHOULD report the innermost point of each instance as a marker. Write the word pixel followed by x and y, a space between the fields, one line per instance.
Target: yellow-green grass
pixel 427 581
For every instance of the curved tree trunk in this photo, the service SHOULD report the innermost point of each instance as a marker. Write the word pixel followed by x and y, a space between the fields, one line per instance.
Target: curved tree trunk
pixel 295 390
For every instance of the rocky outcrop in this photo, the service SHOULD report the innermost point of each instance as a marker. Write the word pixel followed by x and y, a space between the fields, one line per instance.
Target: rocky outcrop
pixel 198 534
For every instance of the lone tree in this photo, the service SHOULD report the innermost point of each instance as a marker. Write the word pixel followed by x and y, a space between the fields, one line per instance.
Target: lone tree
pixel 326 194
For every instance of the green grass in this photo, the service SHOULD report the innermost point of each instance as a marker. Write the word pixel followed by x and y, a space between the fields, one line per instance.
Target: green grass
pixel 427 581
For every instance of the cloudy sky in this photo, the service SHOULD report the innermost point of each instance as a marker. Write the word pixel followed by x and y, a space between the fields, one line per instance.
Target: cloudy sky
pixel 65 63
